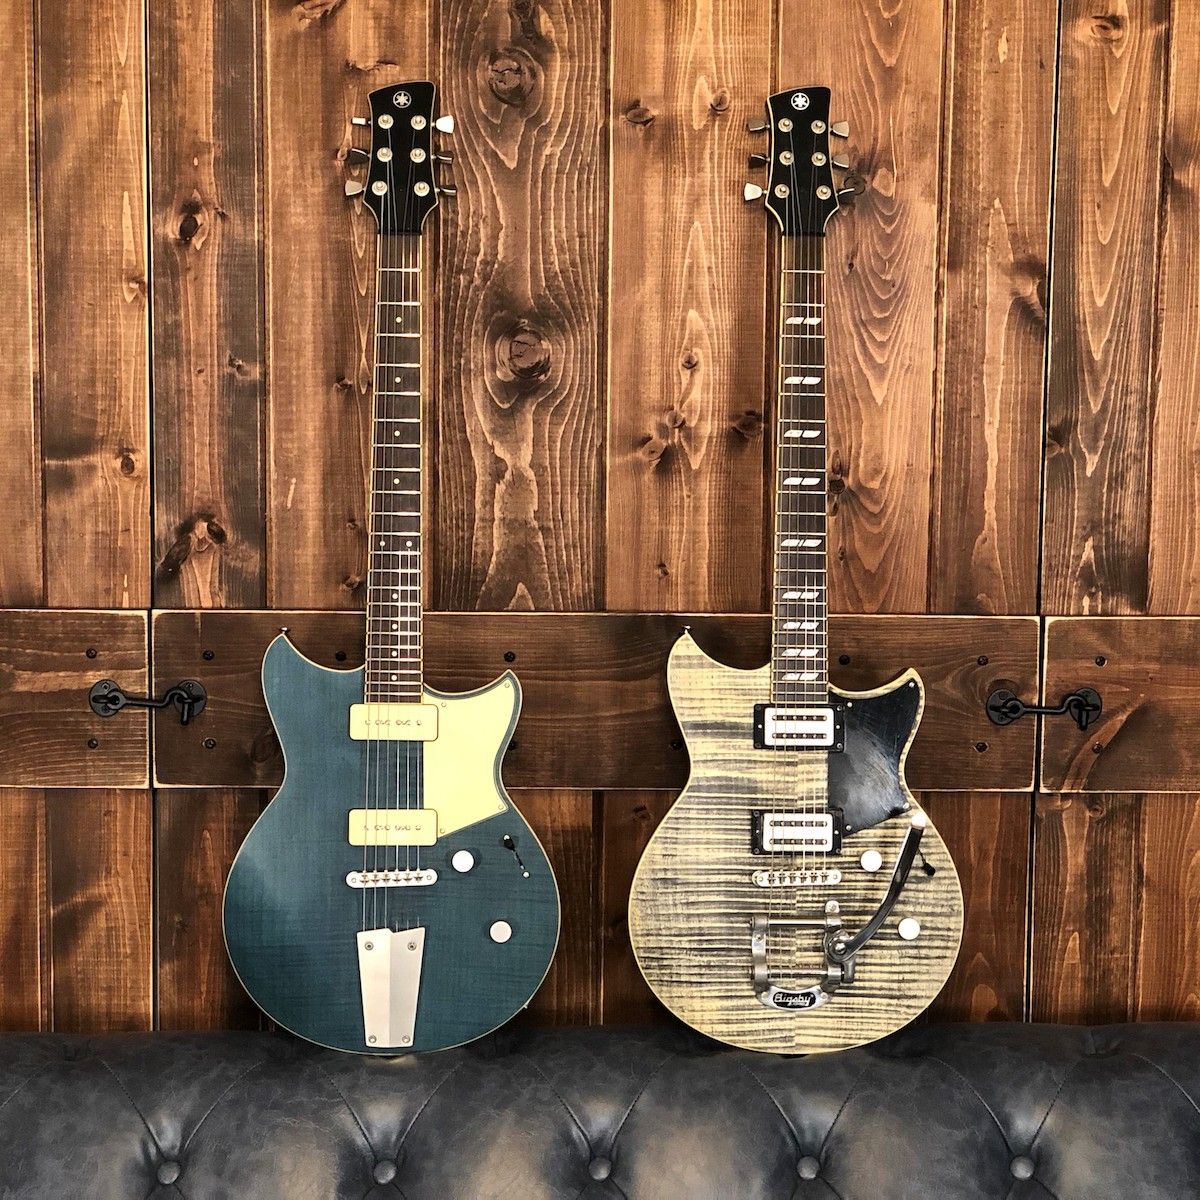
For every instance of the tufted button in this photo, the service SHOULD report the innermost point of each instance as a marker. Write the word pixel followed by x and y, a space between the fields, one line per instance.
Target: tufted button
pixel 1021 1167
pixel 808 1167
pixel 168 1172
pixel 600 1168
pixel 385 1171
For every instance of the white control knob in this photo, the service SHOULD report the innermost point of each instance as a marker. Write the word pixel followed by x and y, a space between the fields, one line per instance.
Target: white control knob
pixel 871 860
pixel 462 861
pixel 909 929
pixel 501 931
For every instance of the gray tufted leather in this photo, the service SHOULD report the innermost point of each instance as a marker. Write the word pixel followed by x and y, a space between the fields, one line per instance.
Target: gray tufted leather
pixel 1021 1112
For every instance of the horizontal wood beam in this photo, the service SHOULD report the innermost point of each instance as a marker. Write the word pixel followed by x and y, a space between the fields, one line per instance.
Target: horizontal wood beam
pixel 1147 671
pixel 596 712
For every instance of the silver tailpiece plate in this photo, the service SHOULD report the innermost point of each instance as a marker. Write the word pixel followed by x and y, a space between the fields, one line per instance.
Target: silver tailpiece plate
pixel 389 973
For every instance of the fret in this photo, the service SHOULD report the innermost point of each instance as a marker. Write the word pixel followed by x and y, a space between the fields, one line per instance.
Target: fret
pixel 799 643
pixel 393 667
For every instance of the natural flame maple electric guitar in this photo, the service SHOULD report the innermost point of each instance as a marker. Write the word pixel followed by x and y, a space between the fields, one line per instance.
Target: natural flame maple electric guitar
pixel 795 898
pixel 391 898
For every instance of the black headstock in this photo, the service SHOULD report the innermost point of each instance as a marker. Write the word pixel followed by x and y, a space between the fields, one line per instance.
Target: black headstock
pixel 400 187
pixel 801 191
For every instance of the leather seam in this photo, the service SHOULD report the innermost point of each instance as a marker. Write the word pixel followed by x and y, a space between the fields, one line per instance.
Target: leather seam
pixel 558 1096
pixel 441 1083
pixel 349 1108
pixel 213 1107
pixel 18 1089
pixel 779 1107
pixel 977 1094
pixel 1037 1133
pixel 633 1103
pixel 841 1109
pixel 1167 1076
pixel 133 1104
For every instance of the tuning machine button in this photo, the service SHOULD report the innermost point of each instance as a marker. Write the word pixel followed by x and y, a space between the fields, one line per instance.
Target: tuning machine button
pixel 359 121
pixel 756 125
pixel 354 154
pixel 448 190
pixel 757 161
pixel 840 129
pixel 752 192
pixel 444 124
pixel 443 157
pixel 354 188
pixel 840 161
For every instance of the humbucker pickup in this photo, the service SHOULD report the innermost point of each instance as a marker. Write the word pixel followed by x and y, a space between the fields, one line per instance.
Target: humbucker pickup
pixel 795 832
pixel 815 727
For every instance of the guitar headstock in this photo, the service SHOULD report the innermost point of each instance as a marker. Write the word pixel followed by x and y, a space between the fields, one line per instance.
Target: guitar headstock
pixel 801 192
pixel 400 187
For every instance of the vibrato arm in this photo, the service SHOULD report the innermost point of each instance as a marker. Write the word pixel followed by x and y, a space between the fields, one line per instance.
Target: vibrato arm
pixel 839 948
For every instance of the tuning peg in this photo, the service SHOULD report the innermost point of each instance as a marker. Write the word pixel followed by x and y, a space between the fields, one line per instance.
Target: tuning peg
pixel 751 191
pixel 840 129
pixel 444 157
pixel 354 154
pixel 354 188
pixel 359 121
pixel 756 125
pixel 840 160
pixel 444 124
pixel 448 190
pixel 757 161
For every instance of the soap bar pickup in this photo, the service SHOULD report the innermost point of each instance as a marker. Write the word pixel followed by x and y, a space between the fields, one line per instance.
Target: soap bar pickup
pixel 384 721
pixel 393 826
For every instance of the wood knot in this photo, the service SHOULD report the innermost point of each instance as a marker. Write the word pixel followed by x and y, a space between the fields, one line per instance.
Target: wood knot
pixel 837 485
pixel 638 114
pixel 719 102
pixel 674 419
pixel 652 449
pixel 512 75
pixel 127 460
pixel 308 11
pixel 1108 27
pixel 690 361
pixel 747 424
pixel 522 354
pixel 351 583
pixel 661 570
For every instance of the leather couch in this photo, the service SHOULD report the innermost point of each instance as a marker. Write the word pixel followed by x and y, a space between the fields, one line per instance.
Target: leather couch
pixel 584 1114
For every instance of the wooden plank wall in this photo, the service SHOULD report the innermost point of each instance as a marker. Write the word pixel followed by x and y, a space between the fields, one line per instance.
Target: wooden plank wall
pixel 1014 326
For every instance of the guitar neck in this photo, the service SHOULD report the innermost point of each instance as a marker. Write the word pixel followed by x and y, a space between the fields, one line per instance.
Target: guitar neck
pixel 799 625
pixel 393 664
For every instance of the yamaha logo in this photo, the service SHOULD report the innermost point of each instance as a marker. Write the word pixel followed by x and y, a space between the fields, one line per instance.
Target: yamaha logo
pixel 800 101
pixel 402 99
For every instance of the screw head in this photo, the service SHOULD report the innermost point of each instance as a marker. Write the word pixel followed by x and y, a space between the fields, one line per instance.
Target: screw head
pixel 93 743
pixel 91 652
pixel 510 656
pixel 982 660
pixel 210 743
pixel 208 655
pixel 1100 660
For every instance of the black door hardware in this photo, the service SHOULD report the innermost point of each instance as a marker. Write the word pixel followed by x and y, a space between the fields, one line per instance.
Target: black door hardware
pixel 1083 706
pixel 188 696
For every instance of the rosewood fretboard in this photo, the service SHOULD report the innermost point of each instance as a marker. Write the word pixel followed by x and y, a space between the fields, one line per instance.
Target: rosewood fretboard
pixel 393 667
pixel 799 654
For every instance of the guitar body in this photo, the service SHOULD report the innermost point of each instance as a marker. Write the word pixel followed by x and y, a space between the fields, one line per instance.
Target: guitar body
pixel 292 923
pixel 693 901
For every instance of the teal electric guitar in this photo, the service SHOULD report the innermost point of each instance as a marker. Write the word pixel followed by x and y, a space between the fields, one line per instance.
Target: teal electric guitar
pixel 391 898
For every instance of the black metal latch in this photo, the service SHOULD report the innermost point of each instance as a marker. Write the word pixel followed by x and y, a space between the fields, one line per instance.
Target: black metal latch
pixel 188 696
pixel 1083 706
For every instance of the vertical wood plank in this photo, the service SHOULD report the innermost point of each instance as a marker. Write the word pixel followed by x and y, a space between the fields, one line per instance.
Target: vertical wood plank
pixel 629 818
pixel 997 149
pixel 322 58
pixel 1117 908
pixel 987 834
pixel 199 833
pixel 23 980
pixel 564 822
pixel 1096 522
pixel 517 501
pixel 98 850
pixel 687 386
pixel 884 63
pixel 95 405
pixel 209 363
pixel 21 582
pixel 1174 481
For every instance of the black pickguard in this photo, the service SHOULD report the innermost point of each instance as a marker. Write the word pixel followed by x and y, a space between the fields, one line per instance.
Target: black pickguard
pixel 864 779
